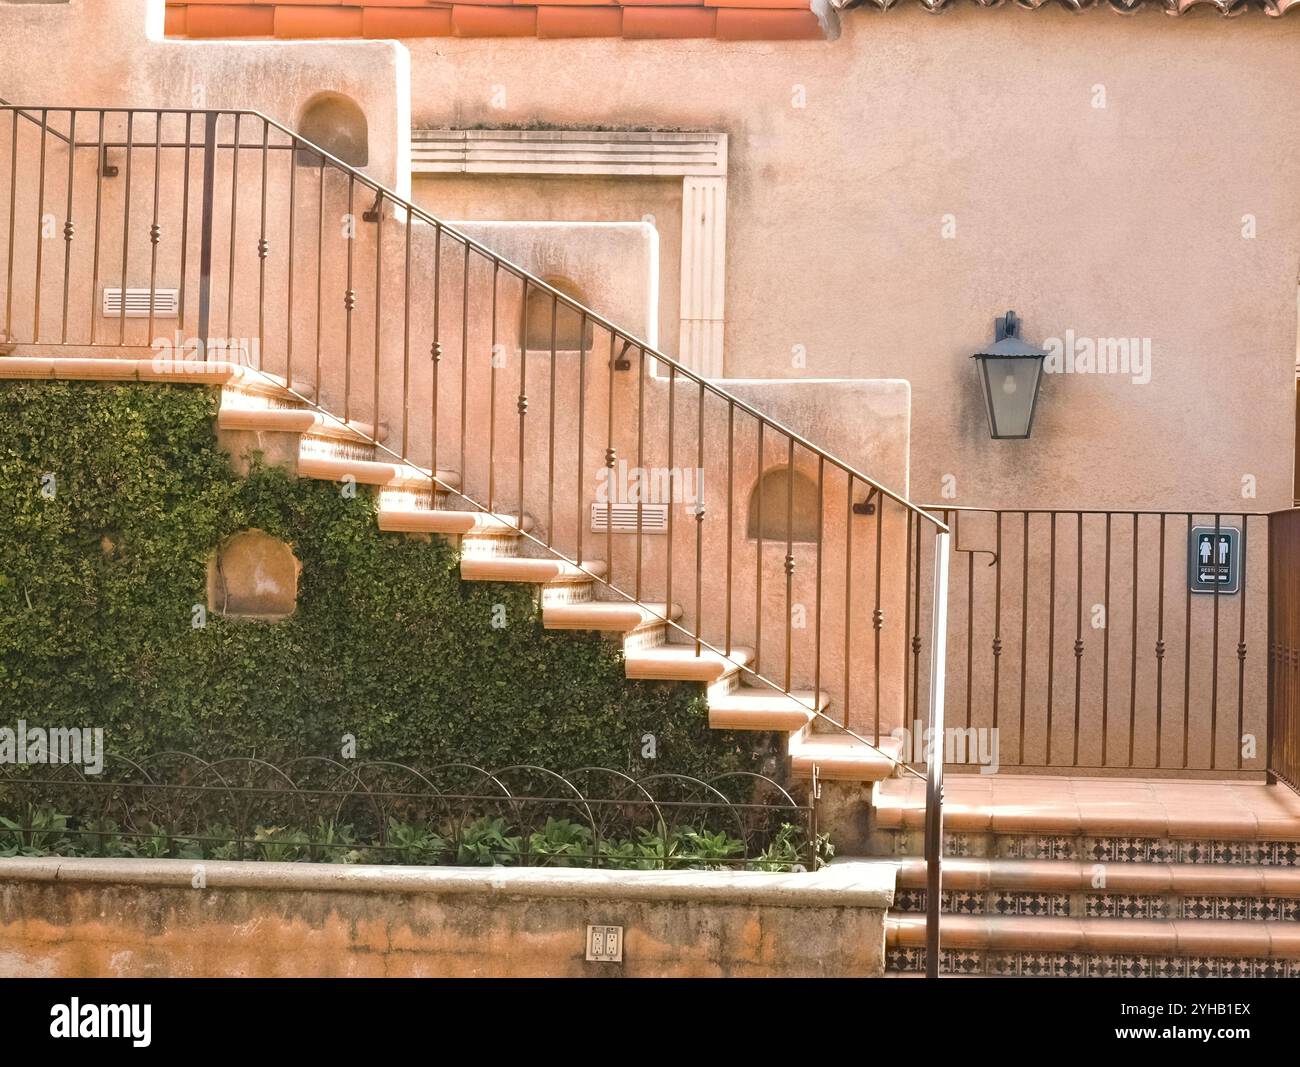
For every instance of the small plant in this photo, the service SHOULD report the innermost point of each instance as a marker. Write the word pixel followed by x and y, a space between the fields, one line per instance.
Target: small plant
pixel 561 843
pixel 485 843
pixel 711 848
pixel 41 834
pixel 408 843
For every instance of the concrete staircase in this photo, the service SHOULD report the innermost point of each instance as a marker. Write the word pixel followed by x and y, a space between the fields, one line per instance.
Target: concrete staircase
pixel 262 411
pixel 1061 877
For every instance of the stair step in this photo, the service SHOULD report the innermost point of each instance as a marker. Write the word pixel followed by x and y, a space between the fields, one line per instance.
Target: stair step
pixel 974 874
pixel 679 663
pixel 296 420
pixel 606 615
pixel 841 758
pixel 1102 937
pixel 372 472
pixel 1153 809
pixel 522 569
pixel 450 523
pixel 758 709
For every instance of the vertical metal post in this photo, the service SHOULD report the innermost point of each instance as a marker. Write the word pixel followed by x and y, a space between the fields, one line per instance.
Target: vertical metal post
pixel 934 770
pixel 205 234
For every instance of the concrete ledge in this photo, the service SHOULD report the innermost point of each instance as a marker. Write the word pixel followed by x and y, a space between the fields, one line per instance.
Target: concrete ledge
pixel 88 918
pixel 857 883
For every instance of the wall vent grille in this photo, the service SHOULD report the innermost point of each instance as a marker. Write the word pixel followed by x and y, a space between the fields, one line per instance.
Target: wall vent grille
pixel 166 303
pixel 622 518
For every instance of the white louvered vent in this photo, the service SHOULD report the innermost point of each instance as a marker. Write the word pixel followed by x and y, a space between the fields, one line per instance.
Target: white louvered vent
pixel 622 518
pixel 166 303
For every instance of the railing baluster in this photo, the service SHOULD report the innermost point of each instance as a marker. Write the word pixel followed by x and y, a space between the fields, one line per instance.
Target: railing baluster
pixel 435 349
pixel 1133 655
pixel 1214 657
pixel 1078 632
pixel 234 228
pixel 582 432
pixel 1051 638
pixel 349 299
pixel 848 597
pixel 263 248
pixel 1105 652
pixel 406 341
pixel 789 560
pixel 1160 645
pixel 1241 644
pixel 672 411
pixel 126 225
pixel 877 616
pixel 731 511
pixel 10 287
pixel 550 438
pixel 68 226
pixel 379 318
pixel 492 391
pixel 205 229
pixel 699 521
pixel 1024 634
pixel 290 268
pixel 817 624
pixel 40 234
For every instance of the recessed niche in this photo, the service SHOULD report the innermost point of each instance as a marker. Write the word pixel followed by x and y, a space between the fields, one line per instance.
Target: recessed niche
pixel 253 576
pixel 337 124
pixel 790 509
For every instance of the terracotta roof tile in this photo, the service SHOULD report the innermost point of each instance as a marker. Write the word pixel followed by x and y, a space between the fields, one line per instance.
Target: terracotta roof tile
pixel 229 20
pixel 639 19
pixel 397 22
pixel 669 22
pixel 317 20
pixel 555 21
pixel 473 20
pixel 746 24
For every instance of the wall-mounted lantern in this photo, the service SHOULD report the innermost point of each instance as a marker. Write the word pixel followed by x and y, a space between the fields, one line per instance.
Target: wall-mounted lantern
pixel 1010 371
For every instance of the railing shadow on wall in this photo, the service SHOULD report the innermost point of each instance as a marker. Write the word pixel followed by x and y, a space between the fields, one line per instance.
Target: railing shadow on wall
pixel 198 235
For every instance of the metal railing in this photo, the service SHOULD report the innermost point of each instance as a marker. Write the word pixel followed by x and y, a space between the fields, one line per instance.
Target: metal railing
pixel 1086 647
pixel 370 309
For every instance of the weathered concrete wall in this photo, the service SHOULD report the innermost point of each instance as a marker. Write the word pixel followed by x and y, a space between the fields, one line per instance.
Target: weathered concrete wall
pixel 131 918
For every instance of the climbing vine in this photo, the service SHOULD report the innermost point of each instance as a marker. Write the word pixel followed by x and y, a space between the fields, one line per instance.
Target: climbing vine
pixel 113 499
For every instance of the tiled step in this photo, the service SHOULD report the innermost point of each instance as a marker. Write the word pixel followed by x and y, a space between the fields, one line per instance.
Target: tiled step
pixel 449 523
pixel 765 709
pixel 842 758
pixel 371 472
pixel 1098 807
pixel 1099 947
pixel 296 420
pixel 607 615
pixel 521 569
pixel 679 663
pixel 1116 891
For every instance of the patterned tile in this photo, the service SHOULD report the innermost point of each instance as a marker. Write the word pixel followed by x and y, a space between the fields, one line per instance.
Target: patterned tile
pixel 1126 906
pixel 1074 965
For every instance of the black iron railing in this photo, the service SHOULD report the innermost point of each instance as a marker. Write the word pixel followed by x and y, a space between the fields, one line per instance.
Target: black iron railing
pixel 223 235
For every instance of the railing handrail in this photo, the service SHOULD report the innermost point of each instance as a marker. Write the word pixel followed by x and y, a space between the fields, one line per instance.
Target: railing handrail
pixel 521 273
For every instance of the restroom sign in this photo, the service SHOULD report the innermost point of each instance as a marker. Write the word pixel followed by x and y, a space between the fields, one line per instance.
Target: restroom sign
pixel 1214 560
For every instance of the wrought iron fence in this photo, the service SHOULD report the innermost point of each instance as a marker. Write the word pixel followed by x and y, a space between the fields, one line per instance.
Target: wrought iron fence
pixel 320 809
pixel 1084 644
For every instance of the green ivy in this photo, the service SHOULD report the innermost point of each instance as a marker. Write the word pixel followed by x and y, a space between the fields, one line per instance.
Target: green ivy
pixel 112 500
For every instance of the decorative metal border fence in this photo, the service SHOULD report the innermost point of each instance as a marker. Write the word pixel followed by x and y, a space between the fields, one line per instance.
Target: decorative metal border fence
pixel 320 809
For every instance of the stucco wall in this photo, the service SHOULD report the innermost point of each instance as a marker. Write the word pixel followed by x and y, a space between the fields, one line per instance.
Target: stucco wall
pixel 1116 221
pixel 172 918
